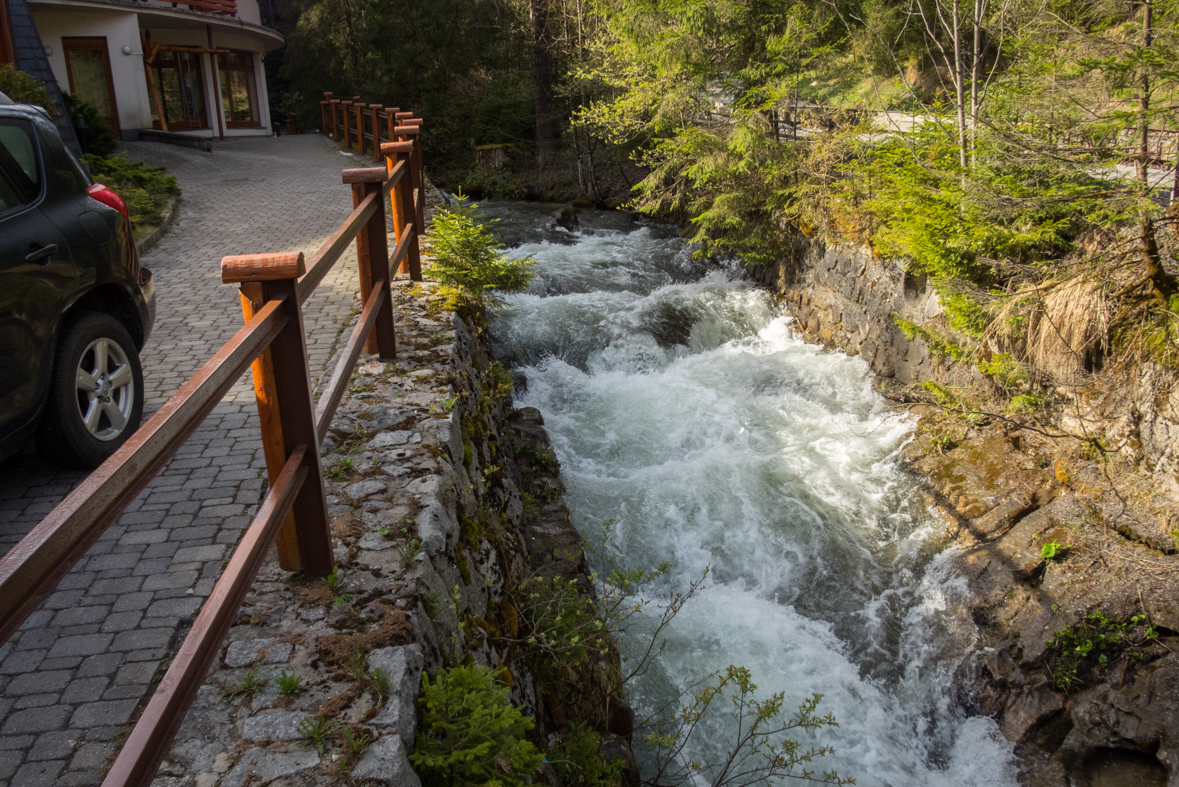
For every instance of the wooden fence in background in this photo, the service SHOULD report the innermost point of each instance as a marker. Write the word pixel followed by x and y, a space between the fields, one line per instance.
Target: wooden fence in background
pixel 293 516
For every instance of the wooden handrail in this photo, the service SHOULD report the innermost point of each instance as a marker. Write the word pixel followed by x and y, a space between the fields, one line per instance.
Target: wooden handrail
pixel 273 288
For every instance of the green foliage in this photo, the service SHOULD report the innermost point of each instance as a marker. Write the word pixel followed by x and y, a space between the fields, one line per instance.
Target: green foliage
pixel 469 260
pixel 762 749
pixel 1025 404
pixel 145 189
pixel 102 141
pixel 499 381
pixel 252 682
pixel 1076 653
pixel 408 550
pixel 471 735
pixel 316 731
pixel 24 89
pixel 289 682
pixel 938 346
pixel 1004 369
pixel 1052 550
pixel 577 759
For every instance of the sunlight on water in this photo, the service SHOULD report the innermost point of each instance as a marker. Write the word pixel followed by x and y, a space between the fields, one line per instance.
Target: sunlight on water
pixel 683 406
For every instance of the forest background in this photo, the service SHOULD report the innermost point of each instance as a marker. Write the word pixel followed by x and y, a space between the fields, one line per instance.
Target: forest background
pixel 1018 155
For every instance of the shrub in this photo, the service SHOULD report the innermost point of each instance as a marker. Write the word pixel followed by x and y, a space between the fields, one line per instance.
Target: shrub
pixel 145 189
pixel 472 736
pixel 24 89
pixel 469 261
pixel 102 141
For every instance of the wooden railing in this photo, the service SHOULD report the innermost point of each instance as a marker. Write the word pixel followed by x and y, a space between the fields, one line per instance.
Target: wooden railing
pixel 220 7
pixel 382 132
pixel 294 514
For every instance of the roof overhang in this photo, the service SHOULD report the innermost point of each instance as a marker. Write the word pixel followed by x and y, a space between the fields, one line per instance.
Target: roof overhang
pixel 171 18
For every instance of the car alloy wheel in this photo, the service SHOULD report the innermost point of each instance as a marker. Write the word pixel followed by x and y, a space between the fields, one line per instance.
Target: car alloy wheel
pixel 105 389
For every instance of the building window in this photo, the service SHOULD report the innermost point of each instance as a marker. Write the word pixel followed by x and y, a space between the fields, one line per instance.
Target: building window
pixel 239 98
pixel 182 90
pixel 89 72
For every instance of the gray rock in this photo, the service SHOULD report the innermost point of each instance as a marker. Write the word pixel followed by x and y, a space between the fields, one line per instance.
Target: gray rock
pixel 387 439
pixel 385 762
pixel 374 542
pixel 383 417
pixel 445 432
pixel 403 665
pixel 363 489
pixel 247 651
pixel 263 766
pixel 274 726
pixel 436 529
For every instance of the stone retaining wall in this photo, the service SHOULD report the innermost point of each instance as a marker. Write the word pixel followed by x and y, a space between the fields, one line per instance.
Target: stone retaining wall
pixel 426 499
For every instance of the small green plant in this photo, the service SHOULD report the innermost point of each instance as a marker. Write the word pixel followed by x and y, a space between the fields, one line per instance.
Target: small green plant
pixel 289 682
pixel 343 600
pixel 315 732
pixel 355 744
pixel 472 735
pixel 409 550
pixel 470 263
pixel 577 758
pixel 1025 404
pixel 943 394
pixel 938 445
pixel 1175 538
pixel 380 682
pixel 444 405
pixel 333 580
pixel 1052 550
pixel 338 469
pixel 1073 652
pixel 499 381
pixel 253 681
pixel 1004 369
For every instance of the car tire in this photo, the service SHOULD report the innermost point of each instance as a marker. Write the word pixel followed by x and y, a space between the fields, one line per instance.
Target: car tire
pixel 95 393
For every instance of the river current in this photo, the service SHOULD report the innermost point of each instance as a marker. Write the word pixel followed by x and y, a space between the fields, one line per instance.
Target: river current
pixel 684 406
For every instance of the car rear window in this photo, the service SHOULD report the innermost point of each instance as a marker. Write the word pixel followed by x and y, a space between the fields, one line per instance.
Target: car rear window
pixel 20 177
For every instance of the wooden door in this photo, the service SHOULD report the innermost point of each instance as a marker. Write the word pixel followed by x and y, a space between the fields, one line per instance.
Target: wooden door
pixel 89 69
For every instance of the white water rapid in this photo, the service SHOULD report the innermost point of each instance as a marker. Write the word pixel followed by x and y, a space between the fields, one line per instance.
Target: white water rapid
pixel 683 406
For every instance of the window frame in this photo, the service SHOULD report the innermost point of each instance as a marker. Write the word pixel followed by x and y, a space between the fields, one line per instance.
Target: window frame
pixel 185 125
pixel 38 192
pixel 247 68
pixel 93 44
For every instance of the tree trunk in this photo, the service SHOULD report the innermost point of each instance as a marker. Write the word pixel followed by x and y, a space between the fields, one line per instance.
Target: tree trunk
pixel 542 76
pixel 1162 283
pixel 980 8
pixel 959 85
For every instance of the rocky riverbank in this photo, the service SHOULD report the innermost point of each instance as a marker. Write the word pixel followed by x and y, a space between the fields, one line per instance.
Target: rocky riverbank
pixel 1069 551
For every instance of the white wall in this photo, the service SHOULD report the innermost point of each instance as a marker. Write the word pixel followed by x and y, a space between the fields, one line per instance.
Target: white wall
pixel 120 29
pixel 247 11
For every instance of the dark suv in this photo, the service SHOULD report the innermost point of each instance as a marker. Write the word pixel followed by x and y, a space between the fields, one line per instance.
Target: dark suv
pixel 75 305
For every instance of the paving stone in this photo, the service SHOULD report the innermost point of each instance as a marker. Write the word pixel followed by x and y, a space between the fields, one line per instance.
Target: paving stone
pixel 85 690
pixel 142 638
pixel 53 746
pixel 38 774
pixel 102 713
pixel 38 682
pixel 35 720
pixel 86 645
pixel 96 666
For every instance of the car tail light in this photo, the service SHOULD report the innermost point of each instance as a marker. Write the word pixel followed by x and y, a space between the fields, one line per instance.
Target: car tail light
pixel 101 193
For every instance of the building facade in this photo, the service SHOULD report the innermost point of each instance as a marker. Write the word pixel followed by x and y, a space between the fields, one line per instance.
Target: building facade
pixel 187 68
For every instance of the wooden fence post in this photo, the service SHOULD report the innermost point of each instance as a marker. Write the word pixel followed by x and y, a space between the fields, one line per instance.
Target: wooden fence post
pixel 402 201
pixel 417 205
pixel 390 122
pixel 283 388
pixel 359 128
pixel 372 256
pixel 335 125
pixel 374 111
pixel 344 105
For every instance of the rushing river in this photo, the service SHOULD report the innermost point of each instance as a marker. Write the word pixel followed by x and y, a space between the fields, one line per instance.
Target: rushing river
pixel 683 406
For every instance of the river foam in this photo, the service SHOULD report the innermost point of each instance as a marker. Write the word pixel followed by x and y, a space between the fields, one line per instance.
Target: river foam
pixel 685 408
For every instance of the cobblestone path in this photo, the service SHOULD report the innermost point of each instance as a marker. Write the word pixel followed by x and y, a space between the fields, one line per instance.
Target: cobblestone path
pixel 83 664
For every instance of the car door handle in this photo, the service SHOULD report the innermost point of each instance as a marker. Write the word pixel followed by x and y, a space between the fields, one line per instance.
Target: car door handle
pixel 41 254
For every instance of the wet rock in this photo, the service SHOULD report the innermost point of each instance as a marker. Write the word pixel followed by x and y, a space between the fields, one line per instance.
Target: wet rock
pixel 565 218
